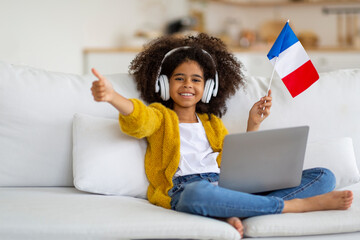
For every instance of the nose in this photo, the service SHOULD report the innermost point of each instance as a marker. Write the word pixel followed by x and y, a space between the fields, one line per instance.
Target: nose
pixel 187 83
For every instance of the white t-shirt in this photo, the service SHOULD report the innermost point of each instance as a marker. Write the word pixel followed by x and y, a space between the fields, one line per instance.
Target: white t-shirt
pixel 196 154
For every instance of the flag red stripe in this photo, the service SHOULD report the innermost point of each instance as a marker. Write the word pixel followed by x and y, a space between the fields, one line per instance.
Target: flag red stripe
pixel 301 79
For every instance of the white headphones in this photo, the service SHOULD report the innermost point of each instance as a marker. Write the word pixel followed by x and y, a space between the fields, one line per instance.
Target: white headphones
pixel 162 82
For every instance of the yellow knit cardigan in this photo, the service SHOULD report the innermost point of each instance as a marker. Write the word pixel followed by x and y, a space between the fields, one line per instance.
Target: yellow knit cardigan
pixel 160 125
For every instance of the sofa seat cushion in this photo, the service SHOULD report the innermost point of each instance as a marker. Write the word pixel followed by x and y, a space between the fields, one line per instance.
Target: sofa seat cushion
pixel 66 213
pixel 311 223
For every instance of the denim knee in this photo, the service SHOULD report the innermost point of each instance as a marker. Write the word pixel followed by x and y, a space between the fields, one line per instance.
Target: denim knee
pixel 192 198
pixel 327 178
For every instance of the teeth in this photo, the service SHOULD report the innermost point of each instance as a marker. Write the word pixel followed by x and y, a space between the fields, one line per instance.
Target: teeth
pixel 186 94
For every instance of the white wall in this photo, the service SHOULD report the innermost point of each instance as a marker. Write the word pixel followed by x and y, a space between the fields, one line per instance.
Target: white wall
pixel 51 34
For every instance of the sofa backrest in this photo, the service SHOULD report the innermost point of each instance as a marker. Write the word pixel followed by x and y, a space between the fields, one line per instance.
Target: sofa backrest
pixel 37 109
pixel 36 115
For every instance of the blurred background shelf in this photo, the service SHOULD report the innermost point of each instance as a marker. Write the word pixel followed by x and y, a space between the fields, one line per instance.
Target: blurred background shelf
pixel 232 49
pixel 264 3
pixel 255 62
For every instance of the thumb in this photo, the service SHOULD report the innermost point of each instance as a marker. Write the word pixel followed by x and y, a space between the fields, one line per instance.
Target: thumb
pixel 98 75
pixel 269 93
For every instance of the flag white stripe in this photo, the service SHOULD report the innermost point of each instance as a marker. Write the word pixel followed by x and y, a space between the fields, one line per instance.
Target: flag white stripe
pixel 290 59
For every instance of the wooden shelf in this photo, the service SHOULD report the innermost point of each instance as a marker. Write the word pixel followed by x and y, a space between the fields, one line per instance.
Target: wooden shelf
pixel 280 3
pixel 234 49
pixel 111 50
pixel 320 49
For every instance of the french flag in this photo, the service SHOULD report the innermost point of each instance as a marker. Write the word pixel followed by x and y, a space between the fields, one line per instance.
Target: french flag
pixel 292 63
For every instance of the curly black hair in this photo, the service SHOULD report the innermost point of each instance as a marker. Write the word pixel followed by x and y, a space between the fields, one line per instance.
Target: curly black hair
pixel 146 65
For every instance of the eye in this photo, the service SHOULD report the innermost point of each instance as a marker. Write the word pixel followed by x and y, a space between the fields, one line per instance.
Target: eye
pixel 196 80
pixel 179 79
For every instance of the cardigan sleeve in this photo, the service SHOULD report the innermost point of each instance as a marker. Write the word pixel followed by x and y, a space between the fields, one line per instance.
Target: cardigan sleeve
pixel 142 122
pixel 222 132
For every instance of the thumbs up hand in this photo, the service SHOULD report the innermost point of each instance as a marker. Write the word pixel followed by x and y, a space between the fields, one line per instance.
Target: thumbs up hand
pixel 101 89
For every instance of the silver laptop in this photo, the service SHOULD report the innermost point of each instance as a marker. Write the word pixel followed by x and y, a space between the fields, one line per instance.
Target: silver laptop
pixel 262 161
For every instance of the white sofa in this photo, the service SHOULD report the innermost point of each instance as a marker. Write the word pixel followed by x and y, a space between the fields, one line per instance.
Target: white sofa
pixel 53 135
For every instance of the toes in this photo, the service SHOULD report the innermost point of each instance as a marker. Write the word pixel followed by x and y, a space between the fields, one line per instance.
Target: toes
pixel 236 223
pixel 349 194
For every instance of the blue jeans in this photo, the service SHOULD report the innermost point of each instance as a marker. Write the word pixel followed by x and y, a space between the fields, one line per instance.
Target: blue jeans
pixel 199 194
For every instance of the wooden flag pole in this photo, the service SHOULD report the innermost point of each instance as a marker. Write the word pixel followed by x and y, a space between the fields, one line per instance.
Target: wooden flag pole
pixel 272 76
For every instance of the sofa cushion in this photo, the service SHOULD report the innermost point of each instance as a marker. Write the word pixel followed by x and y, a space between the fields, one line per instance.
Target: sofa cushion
pixel 310 223
pixel 105 160
pixel 336 154
pixel 66 213
pixel 36 114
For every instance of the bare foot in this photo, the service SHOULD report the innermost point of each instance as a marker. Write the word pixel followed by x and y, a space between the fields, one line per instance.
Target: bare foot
pixel 335 200
pixel 236 223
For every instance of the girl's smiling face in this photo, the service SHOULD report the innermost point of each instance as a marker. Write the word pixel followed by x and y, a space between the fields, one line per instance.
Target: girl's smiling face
pixel 186 85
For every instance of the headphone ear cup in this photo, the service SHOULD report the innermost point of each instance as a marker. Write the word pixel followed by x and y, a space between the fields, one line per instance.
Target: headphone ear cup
pixel 164 87
pixel 208 90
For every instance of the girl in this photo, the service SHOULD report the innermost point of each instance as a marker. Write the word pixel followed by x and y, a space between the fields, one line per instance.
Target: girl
pixel 187 81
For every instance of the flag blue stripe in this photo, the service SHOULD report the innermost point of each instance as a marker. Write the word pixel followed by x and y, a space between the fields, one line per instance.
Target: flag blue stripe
pixel 285 39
